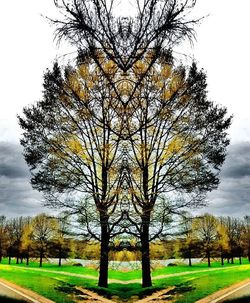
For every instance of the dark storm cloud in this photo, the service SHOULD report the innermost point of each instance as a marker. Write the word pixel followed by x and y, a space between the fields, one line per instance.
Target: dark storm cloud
pixel 16 194
pixel 237 164
pixel 12 164
pixel 233 194
pixel 231 198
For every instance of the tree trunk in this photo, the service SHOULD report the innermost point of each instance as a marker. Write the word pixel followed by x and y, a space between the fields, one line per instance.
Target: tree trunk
pixel 9 259
pixel 1 257
pixel 208 258
pixel 145 253
pixel 41 258
pixel 240 260
pixel 189 262
pixel 27 256
pixel 104 260
pixel 60 257
pixel 232 260
pixel 222 260
pixel 17 260
pixel 189 257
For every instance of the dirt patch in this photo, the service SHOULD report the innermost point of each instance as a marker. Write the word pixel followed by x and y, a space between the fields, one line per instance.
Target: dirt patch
pixel 88 296
pixel 158 297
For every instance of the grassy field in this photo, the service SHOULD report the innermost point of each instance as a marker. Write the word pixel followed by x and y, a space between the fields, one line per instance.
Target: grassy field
pixel 191 283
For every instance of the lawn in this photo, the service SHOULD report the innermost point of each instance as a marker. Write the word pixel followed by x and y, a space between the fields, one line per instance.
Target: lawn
pixel 191 283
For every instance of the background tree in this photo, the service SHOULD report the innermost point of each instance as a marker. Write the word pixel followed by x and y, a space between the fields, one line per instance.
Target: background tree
pixel 27 242
pixel 3 236
pixel 239 238
pixel 222 240
pixel 62 244
pixel 230 229
pixel 188 246
pixel 43 231
pixel 15 228
pixel 246 236
pixel 206 230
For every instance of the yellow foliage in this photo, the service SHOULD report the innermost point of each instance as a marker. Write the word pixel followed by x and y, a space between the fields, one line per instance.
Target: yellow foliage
pixel 140 67
pixel 125 88
pixel 175 146
pixel 74 145
pixel 176 82
pixel 82 94
pixel 166 71
pixel 74 82
pixel 109 67
pixel 166 94
pixel 65 99
pixel 184 99
pixel 84 71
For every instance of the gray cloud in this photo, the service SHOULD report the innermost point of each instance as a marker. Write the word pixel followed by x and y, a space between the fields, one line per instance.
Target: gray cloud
pixel 237 164
pixel 233 194
pixel 231 198
pixel 16 194
pixel 12 164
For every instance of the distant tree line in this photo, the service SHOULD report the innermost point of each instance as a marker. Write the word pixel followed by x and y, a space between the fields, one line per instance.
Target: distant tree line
pixel 42 237
pixel 205 236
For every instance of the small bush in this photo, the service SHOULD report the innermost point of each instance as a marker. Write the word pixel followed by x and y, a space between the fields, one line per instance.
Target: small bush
pixel 77 264
pixel 172 264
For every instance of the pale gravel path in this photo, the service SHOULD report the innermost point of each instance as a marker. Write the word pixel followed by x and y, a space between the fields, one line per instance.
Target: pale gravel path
pixel 231 291
pixel 17 292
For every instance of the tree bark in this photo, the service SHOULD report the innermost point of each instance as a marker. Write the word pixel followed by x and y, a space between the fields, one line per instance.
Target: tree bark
pixel 189 262
pixel 208 258
pixel 41 258
pixel 60 257
pixel 145 252
pixel 27 257
pixel 221 256
pixel 104 260
pixel 189 257
pixel 222 260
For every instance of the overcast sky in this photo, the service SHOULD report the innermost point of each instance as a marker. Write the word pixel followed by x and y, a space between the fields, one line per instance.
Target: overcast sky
pixel 222 49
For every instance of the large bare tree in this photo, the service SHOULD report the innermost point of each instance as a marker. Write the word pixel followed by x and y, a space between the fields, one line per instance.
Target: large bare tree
pixel 71 150
pixel 178 148
pixel 93 25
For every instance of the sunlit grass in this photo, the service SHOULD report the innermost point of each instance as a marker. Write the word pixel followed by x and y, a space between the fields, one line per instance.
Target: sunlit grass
pixel 196 282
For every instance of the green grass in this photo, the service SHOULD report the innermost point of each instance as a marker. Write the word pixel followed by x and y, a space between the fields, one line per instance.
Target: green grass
pixel 49 266
pixel 189 287
pixel 53 286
